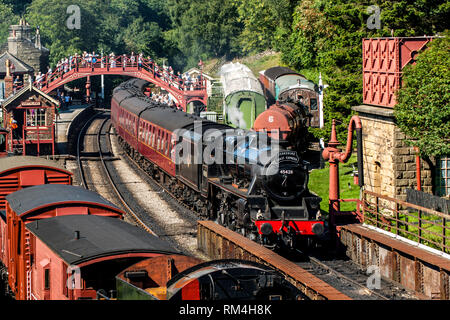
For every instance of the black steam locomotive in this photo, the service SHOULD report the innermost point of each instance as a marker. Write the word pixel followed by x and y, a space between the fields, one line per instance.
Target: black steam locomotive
pixel 239 178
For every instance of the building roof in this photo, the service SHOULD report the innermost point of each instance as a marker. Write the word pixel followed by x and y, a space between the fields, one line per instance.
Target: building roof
pixel 29 199
pixel 20 66
pixel 98 237
pixel 25 89
pixel 196 70
pixel 17 162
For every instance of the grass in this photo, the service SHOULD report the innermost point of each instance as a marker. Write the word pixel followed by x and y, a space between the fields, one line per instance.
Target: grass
pixel 408 226
pixel 319 184
pixel 261 62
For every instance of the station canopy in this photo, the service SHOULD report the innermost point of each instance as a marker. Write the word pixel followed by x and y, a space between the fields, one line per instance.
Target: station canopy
pixel 238 77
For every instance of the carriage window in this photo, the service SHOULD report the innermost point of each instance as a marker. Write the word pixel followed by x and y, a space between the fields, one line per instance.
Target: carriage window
pixel 166 144
pixel 313 104
pixel 149 135
pixel 169 145
pixel 159 139
pixel 47 279
pixel 35 117
pixel 153 136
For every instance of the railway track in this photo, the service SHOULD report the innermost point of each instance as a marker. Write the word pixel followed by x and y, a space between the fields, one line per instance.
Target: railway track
pixel 135 215
pixel 103 167
pixel 345 276
pixel 102 129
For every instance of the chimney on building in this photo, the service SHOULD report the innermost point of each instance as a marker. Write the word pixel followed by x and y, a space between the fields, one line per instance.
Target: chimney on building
pixel 37 41
pixel 8 80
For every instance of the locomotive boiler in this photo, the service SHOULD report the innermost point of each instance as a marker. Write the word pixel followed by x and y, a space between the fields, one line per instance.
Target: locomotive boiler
pixel 287 123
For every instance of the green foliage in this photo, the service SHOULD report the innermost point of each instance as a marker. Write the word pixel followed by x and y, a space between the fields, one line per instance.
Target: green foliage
pixel 7 17
pixel 423 108
pixel 204 29
pixel 117 26
pixel 327 35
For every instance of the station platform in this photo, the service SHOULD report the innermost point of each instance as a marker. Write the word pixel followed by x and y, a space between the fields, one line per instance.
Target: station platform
pixel 62 125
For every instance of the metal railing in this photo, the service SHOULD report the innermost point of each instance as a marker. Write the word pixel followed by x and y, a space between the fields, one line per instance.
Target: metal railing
pixel 419 224
pixel 121 62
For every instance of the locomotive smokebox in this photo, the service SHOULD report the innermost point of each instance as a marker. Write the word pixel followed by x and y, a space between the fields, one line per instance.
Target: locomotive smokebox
pixel 285 178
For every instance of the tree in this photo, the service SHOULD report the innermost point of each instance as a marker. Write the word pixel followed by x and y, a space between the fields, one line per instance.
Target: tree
pixel 7 17
pixel 118 26
pixel 327 35
pixel 18 7
pixel 423 108
pixel 204 29
pixel 61 40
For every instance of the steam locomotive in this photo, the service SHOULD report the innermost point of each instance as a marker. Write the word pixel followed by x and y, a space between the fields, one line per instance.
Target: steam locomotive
pixel 242 179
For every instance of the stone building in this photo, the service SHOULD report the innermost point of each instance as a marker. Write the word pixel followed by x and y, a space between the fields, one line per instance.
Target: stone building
pixel 389 163
pixel 26 46
pixel 25 52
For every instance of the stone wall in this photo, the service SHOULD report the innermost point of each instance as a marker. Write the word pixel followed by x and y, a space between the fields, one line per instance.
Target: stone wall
pixel 21 45
pixel 35 58
pixel 389 163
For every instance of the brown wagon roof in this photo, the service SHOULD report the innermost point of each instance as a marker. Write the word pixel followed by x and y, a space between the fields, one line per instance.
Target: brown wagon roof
pixel 98 237
pixel 12 163
pixel 30 199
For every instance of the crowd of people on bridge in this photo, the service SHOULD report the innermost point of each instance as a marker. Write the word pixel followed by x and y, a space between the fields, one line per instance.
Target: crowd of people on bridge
pixel 94 60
